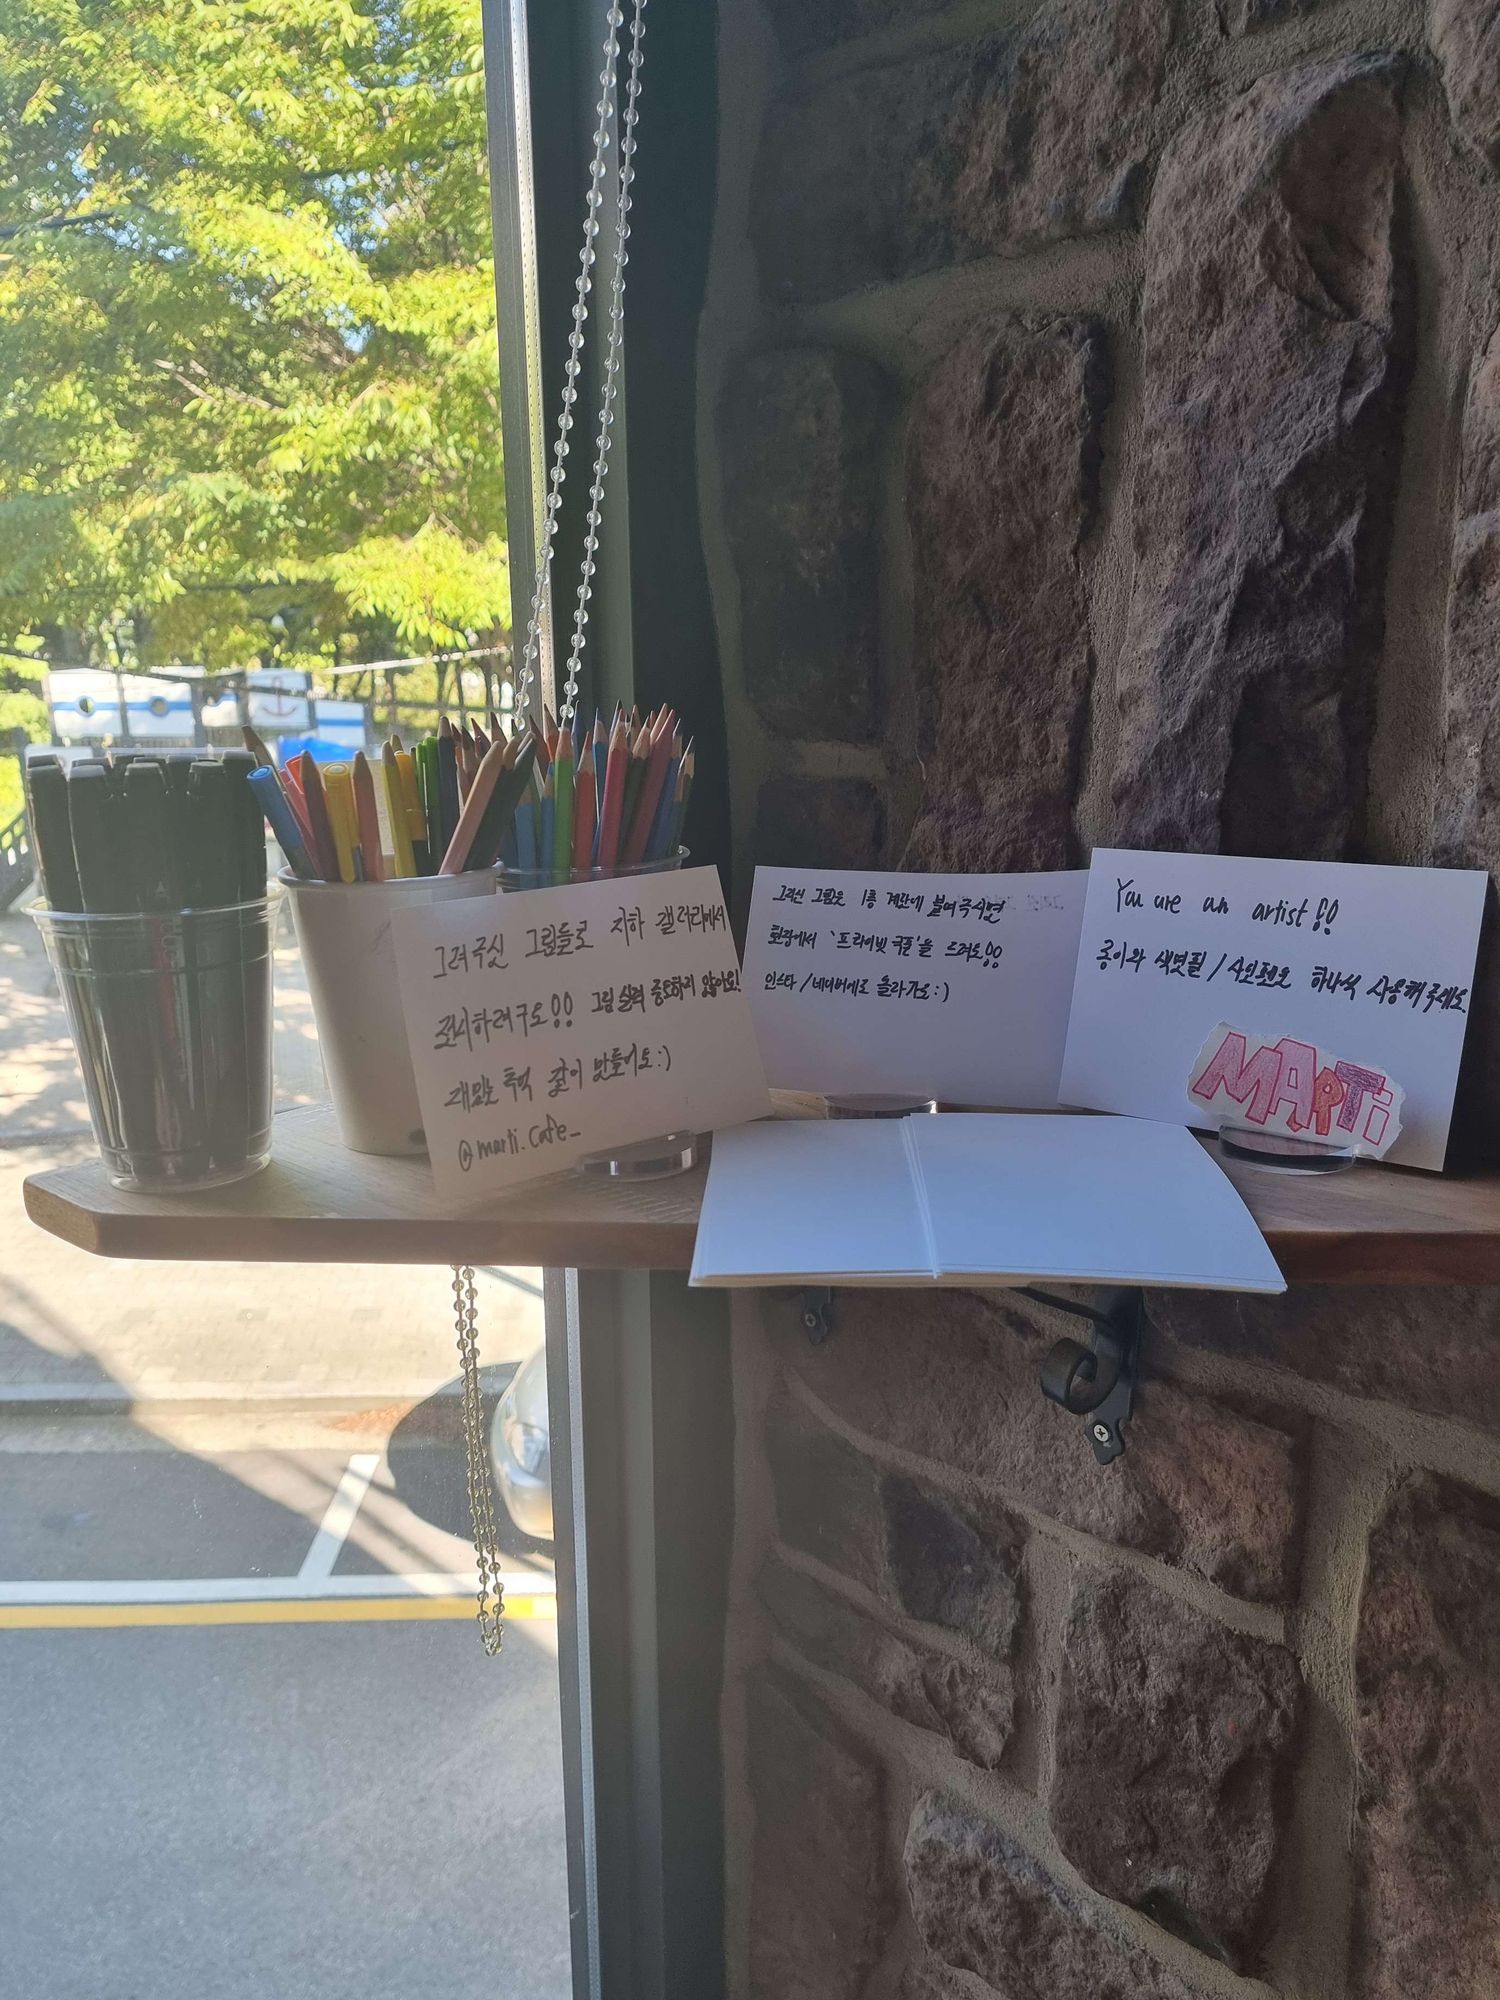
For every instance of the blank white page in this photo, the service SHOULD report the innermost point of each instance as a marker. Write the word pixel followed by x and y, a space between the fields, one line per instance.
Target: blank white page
pixel 1013 1198
pixel 789 1201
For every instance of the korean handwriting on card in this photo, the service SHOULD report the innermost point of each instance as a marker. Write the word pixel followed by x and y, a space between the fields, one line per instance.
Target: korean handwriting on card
pixel 1349 971
pixel 952 985
pixel 570 1020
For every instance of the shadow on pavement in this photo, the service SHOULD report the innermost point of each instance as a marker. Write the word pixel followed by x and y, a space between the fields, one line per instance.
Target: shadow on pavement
pixel 427 1463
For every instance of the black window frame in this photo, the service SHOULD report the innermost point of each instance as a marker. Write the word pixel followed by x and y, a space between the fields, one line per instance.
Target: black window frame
pixel 637 1365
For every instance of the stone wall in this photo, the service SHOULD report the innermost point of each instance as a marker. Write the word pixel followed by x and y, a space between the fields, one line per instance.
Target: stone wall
pixel 1101 405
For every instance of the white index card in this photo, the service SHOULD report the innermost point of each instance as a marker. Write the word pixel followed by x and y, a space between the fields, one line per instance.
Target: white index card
pixel 951 986
pixel 1375 964
pixel 559 1022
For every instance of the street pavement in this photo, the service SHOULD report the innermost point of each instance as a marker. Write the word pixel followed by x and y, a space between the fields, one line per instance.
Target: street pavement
pixel 252 1747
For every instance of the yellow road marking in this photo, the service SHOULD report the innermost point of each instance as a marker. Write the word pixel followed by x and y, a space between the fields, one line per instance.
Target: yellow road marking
pixel 269 1611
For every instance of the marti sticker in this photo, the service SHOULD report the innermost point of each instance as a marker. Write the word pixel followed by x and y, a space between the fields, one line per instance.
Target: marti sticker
pixel 1293 1087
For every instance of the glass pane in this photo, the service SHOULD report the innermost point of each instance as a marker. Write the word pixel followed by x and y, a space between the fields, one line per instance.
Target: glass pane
pixel 250 461
pixel 248 1725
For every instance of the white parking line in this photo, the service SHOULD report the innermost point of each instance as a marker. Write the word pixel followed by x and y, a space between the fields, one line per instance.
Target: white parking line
pixel 339 1516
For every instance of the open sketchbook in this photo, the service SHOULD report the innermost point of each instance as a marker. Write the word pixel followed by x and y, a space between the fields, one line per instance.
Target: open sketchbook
pixel 975 1198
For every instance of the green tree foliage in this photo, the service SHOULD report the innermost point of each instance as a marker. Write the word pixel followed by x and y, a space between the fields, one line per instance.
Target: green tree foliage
pixel 247 345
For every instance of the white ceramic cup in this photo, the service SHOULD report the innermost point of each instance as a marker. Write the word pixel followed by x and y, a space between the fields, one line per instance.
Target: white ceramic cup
pixel 344 930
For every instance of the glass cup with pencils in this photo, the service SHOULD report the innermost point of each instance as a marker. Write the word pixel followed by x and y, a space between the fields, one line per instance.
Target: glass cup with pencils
pixel 602 805
pixel 153 871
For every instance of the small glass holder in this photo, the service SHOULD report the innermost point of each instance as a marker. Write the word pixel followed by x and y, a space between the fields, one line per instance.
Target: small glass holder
pixel 171 1019
pixel 1280 1152
pixel 669 1153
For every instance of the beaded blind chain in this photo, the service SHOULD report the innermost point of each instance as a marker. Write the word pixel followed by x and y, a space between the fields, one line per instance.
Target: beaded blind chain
pixel 465 1304
pixel 609 95
pixel 480 1484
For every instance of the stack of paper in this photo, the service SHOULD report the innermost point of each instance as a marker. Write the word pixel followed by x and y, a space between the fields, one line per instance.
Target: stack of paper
pixel 975 1198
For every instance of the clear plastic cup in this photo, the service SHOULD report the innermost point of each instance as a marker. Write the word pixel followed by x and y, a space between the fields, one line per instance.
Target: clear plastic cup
pixel 512 879
pixel 171 1018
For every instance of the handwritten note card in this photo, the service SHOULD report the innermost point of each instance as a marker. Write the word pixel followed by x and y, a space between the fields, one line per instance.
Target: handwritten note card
pixel 1375 963
pixel 556 1023
pixel 956 986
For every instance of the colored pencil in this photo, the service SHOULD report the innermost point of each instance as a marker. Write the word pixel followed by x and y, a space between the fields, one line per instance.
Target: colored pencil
pixel 635 776
pixel 416 819
pixel 613 801
pixel 324 851
pixel 497 820
pixel 660 755
pixel 661 826
pixel 426 755
pixel 466 760
pixel 338 789
pixel 526 837
pixel 448 801
pixel 559 798
pixel 481 788
pixel 684 793
pixel 367 818
pixel 562 815
pixel 403 861
pixel 544 830
pixel 282 822
pixel 585 817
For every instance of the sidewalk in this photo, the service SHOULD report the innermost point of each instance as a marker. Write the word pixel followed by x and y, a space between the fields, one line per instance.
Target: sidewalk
pixel 92 1332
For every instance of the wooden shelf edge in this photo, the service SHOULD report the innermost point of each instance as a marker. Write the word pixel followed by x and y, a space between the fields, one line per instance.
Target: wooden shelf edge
pixel 1420 1259
pixel 491 1239
pixel 318 1203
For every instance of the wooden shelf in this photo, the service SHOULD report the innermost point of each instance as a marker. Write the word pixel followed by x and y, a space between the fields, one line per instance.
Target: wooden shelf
pixel 317 1203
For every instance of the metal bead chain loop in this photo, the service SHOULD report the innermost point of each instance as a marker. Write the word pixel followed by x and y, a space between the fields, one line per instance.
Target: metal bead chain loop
pixel 608 75
pixel 612 358
pixel 476 1452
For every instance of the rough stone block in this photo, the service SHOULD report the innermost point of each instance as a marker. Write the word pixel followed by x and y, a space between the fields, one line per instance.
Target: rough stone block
pixel 1427 1677
pixel 906 1543
pixel 927 1980
pixel 1263 486
pixel 821 1898
pixel 819 823
pixel 812 24
pixel 799 434
pixel 953 1377
pixel 1172 1759
pixel 1466 41
pixel 1434 1349
pixel 1001 475
pixel 1468 811
pixel 1242 17
pixel 1025 138
pixel 983 1905
pixel 973 1711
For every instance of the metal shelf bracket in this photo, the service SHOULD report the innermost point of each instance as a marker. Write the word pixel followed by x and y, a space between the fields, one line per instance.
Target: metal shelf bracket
pixel 1098 1381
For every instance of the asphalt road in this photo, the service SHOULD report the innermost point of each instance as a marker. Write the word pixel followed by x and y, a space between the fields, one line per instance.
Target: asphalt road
pixel 341 1798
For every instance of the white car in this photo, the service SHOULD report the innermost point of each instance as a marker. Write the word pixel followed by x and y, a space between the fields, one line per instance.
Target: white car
pixel 521 1449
